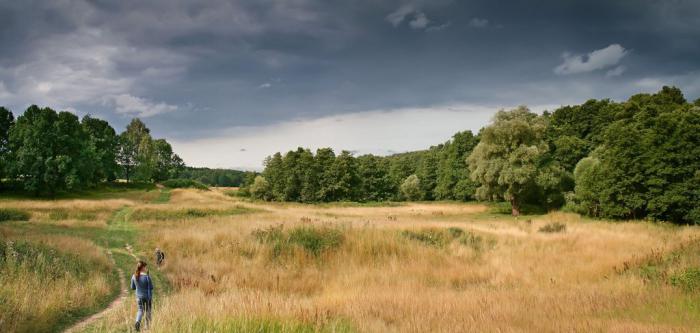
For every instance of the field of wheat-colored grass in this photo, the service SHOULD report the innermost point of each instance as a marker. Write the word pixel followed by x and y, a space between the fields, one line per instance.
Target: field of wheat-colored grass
pixel 234 265
pixel 506 277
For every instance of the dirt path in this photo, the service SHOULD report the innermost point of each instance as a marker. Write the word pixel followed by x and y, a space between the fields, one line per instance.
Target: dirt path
pixel 123 293
pixel 81 325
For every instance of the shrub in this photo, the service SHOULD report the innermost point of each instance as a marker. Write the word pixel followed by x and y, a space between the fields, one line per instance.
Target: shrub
pixel 430 237
pixel 441 237
pixel 411 189
pixel 688 279
pixel 12 214
pixel 184 183
pixel 312 239
pixel 316 240
pixel 553 227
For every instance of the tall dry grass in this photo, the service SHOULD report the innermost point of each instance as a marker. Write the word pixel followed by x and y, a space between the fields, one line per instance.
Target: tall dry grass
pixel 379 280
pixel 47 281
pixel 238 266
pixel 51 271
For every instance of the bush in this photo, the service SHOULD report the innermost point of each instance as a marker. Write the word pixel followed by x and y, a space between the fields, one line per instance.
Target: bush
pixel 431 237
pixel 553 227
pixel 184 183
pixel 12 214
pixel 312 239
pixel 441 237
pixel 411 189
pixel 688 279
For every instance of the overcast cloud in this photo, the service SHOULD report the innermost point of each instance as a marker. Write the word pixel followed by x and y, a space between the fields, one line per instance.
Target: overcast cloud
pixel 203 72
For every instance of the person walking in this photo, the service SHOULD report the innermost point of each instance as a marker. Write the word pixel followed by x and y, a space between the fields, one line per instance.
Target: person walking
pixel 142 283
pixel 160 256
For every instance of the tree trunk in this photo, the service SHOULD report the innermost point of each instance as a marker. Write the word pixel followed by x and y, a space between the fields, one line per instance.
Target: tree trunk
pixel 515 207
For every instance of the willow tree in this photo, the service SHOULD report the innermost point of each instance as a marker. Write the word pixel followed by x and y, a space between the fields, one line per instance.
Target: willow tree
pixel 508 161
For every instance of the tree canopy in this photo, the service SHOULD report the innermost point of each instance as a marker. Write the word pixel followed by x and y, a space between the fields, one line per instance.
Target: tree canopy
pixel 47 152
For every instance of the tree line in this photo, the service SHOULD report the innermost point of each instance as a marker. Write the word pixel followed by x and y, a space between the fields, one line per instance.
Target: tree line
pixel 45 152
pixel 215 177
pixel 638 158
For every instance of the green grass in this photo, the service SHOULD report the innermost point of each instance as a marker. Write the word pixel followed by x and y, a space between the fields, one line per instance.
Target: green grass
pixel 119 232
pixel 439 238
pixel 110 190
pixel 163 197
pixel 187 213
pixel 314 240
pixel 12 214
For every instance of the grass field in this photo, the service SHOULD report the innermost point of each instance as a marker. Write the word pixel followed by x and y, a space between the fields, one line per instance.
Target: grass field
pixel 240 266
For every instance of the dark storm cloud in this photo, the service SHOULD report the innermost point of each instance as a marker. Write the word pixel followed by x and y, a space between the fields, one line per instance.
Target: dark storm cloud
pixel 198 67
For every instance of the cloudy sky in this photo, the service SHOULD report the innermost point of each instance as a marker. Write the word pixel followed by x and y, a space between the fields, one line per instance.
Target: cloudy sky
pixel 229 82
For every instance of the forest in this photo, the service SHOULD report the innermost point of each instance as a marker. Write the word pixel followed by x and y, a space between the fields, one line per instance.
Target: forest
pixel 45 152
pixel 638 158
pixel 215 177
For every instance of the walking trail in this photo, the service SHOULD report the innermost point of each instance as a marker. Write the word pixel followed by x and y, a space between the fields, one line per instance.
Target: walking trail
pixel 83 324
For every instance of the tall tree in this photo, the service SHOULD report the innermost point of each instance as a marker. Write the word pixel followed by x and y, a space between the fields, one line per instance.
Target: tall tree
pixel 647 165
pixel 48 149
pixel 375 184
pixel 274 174
pixel 453 182
pixel 507 160
pixel 324 160
pixel 427 172
pixel 411 189
pixel 167 163
pixel 309 173
pixel 346 180
pixel 104 142
pixel 135 153
pixel 7 120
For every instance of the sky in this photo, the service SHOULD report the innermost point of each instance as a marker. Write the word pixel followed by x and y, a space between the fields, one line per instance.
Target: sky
pixel 230 82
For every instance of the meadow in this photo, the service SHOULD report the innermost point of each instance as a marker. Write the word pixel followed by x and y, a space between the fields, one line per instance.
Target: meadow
pixel 235 265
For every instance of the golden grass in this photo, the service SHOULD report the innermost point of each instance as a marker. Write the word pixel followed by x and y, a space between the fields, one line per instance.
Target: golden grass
pixel 34 301
pixel 379 280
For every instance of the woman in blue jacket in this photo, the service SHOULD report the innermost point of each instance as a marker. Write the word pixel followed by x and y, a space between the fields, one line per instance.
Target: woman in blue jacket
pixel 142 283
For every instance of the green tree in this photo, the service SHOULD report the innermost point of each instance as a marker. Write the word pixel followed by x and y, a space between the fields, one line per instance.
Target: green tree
pixel 49 151
pixel 260 189
pixel 345 180
pixel 648 164
pixel 103 141
pixel 7 120
pixel 167 163
pixel 375 184
pixel 411 189
pixel 588 186
pixel 507 162
pixel 324 160
pixel 427 172
pixel 136 153
pixel 309 172
pixel 453 182
pixel 274 174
